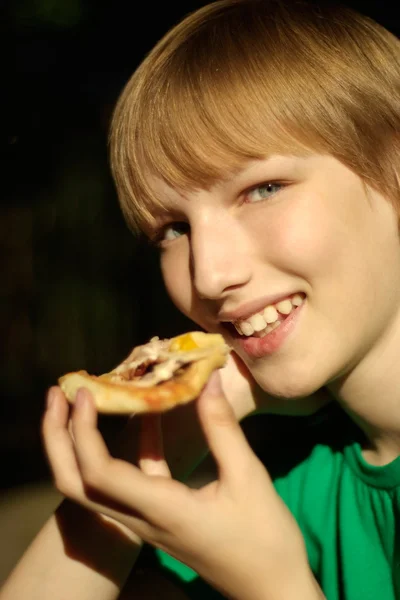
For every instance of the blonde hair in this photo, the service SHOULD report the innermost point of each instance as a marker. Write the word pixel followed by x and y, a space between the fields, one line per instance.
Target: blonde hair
pixel 244 79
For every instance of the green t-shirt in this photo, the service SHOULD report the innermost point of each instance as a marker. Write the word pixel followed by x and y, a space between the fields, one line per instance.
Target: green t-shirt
pixel 348 510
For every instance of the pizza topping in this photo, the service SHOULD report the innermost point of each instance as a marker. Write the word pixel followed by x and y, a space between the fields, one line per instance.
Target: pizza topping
pixel 155 377
pixel 183 342
pixel 139 371
pixel 152 372
pixel 158 361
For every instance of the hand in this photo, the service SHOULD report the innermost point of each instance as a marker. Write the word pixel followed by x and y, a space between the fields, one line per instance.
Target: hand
pixel 246 396
pixel 235 532
pixel 239 386
pixel 184 443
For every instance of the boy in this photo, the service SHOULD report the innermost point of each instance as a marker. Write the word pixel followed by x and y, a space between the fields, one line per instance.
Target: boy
pixel 258 146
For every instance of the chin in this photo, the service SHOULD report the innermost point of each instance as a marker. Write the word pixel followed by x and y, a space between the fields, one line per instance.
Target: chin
pixel 289 388
pixel 283 398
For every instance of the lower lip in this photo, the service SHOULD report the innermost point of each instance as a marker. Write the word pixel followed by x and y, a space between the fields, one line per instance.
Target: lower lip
pixel 273 341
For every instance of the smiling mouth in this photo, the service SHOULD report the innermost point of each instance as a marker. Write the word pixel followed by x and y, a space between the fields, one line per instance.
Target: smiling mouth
pixel 270 318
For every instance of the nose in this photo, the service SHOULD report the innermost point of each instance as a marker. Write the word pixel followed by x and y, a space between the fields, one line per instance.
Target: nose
pixel 220 258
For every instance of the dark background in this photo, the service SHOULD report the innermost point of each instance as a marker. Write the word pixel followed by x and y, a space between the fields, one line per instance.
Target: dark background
pixel 77 290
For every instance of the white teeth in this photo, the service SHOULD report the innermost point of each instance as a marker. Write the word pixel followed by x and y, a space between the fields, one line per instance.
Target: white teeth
pixel 284 307
pixel 270 314
pixel 247 328
pixel 297 300
pixel 262 323
pixel 261 334
pixel 268 329
pixel 257 322
pixel 238 328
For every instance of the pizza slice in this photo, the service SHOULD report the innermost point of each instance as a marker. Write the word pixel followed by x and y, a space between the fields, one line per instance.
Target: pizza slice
pixel 155 377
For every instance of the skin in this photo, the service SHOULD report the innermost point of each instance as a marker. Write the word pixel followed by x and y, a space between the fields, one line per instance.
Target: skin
pixel 322 233
pixel 144 502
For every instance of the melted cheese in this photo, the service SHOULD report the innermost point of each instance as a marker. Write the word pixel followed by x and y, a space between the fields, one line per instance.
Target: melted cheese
pixel 183 342
pixel 170 357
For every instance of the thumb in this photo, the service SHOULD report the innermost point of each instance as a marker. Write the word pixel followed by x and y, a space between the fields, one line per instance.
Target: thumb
pixel 223 433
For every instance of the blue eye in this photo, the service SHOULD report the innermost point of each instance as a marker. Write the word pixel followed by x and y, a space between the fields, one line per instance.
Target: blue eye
pixel 173 231
pixel 261 192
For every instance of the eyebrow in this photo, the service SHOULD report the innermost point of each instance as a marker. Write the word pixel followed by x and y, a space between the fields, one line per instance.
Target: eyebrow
pixel 241 177
pixel 253 168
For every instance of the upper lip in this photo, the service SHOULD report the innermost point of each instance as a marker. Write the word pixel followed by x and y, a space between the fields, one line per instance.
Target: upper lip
pixel 249 309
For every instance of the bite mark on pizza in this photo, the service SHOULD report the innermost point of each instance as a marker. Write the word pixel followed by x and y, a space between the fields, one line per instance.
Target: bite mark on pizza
pixel 155 377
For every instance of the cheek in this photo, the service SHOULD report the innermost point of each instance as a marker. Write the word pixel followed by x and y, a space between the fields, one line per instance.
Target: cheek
pixel 301 238
pixel 177 280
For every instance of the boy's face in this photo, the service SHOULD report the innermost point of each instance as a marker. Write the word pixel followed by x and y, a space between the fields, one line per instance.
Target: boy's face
pixel 303 229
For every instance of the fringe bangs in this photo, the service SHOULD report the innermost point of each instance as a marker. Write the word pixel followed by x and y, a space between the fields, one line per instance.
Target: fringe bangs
pixel 214 94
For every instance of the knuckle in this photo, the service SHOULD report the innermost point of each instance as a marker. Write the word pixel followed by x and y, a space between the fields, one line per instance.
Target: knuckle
pixel 94 474
pixel 172 520
pixel 221 417
pixel 91 478
pixel 65 485
pixel 176 514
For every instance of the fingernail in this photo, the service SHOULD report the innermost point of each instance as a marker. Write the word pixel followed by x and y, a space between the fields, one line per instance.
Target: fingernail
pixel 51 395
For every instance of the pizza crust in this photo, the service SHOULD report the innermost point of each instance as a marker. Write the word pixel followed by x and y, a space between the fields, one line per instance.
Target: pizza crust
pixel 113 396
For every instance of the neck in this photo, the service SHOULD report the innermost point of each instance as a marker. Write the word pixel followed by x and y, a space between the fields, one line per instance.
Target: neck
pixel 370 394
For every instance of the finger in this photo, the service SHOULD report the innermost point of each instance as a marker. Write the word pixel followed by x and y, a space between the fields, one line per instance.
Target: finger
pixel 91 450
pixel 60 450
pixel 110 481
pixel 223 433
pixel 151 452
pixel 58 444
